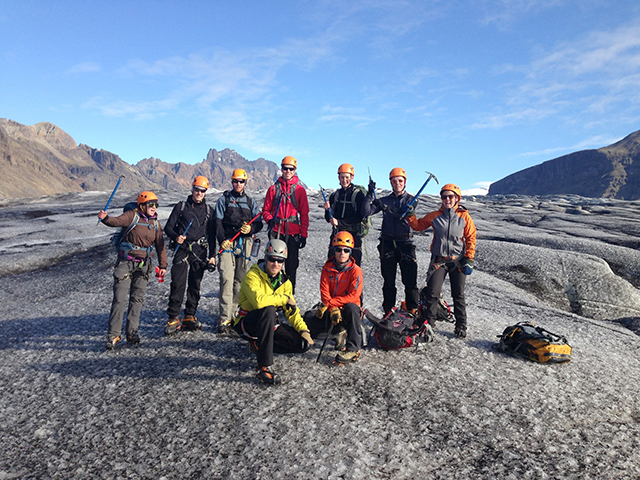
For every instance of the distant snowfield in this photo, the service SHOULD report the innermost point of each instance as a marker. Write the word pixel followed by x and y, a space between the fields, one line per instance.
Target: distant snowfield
pixel 189 407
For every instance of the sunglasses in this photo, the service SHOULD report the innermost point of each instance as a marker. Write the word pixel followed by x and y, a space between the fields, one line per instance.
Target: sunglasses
pixel 199 190
pixel 342 250
pixel 152 204
pixel 275 259
pixel 236 180
pixel 397 180
pixel 444 197
pixel 288 169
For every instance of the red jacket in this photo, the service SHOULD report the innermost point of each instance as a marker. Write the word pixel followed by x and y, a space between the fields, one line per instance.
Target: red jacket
pixel 292 217
pixel 337 288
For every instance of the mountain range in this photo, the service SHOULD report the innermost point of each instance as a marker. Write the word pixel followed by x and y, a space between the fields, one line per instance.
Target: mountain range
pixel 608 172
pixel 42 159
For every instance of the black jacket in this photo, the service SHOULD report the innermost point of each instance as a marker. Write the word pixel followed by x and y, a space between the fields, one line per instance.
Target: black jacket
pixel 392 207
pixel 203 223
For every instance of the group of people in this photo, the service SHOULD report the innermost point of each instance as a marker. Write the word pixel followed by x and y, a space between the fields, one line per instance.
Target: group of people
pixel 253 296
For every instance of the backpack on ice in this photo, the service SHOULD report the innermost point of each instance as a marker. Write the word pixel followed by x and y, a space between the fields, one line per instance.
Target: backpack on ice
pixel 535 343
pixel 397 330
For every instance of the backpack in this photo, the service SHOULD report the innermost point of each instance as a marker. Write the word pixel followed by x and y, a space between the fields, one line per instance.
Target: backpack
pixel 363 227
pixel 397 330
pixel 121 232
pixel 444 309
pixel 117 239
pixel 289 197
pixel 535 343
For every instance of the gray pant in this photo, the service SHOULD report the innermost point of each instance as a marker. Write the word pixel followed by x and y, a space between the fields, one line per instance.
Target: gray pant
pixel 232 268
pixel 129 279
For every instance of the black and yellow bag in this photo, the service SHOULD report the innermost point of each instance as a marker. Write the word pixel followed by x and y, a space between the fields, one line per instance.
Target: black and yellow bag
pixel 535 343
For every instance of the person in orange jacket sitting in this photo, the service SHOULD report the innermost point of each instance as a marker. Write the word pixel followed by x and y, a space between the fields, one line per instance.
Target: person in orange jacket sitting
pixel 341 292
pixel 452 251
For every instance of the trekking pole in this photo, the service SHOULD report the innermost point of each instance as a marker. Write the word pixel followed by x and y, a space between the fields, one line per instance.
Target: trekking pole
pixel 184 235
pixel 239 232
pixel 111 197
pixel 325 339
pixel 370 179
pixel 325 201
pixel 406 209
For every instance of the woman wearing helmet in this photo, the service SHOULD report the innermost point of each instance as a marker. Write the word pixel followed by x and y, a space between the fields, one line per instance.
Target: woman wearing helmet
pixel 141 232
pixel 340 293
pixel 264 290
pixel 396 246
pixel 452 251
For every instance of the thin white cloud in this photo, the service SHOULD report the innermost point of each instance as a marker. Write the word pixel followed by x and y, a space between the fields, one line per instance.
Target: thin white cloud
pixel 85 67
pixel 591 143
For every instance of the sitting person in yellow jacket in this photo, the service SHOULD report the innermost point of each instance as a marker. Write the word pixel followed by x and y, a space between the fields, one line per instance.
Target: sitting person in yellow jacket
pixel 265 289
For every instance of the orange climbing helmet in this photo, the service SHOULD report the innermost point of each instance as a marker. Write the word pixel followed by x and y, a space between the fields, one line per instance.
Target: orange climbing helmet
pixel 239 174
pixel 343 239
pixel 289 161
pixel 145 197
pixel 452 188
pixel 201 181
pixel 347 168
pixel 398 172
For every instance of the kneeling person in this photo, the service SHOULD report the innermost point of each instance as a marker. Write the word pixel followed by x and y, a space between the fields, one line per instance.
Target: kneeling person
pixel 341 292
pixel 264 289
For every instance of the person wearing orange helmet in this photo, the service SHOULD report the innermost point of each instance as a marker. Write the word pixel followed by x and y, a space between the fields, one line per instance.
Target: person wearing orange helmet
pixel 396 246
pixel 453 249
pixel 343 210
pixel 340 293
pixel 191 227
pixel 141 231
pixel 234 211
pixel 286 211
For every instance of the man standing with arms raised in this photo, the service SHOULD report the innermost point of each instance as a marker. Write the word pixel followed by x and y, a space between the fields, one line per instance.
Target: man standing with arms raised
pixel 286 211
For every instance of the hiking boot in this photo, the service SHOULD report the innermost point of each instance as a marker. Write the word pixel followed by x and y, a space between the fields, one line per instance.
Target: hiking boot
pixel 341 340
pixel 413 311
pixel 173 325
pixel 267 376
pixel 253 346
pixel 191 323
pixel 348 357
pixel 460 332
pixel 133 338
pixel 224 327
pixel 112 340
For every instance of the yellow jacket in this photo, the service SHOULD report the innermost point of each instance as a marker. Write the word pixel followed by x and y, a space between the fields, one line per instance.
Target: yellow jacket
pixel 257 291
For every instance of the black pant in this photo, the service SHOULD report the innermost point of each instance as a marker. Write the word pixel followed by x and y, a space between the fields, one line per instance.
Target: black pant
pixel 351 320
pixel 188 268
pixel 356 253
pixel 432 291
pixel 260 324
pixel 292 261
pixel 403 254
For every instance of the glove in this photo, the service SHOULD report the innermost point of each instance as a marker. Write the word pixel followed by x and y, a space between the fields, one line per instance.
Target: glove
pixel 378 203
pixel 307 336
pixel 320 311
pixel 411 211
pixel 371 188
pixel 271 224
pixel 466 266
pixel 245 229
pixel 211 267
pixel 335 315
pixel 302 242
pixel 226 245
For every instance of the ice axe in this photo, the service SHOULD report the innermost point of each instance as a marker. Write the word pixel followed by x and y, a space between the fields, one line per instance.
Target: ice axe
pixel 239 232
pixel 184 234
pixel 406 209
pixel 111 197
pixel 325 201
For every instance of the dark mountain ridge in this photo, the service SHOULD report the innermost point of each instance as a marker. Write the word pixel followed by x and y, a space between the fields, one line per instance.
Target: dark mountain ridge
pixel 608 172
pixel 42 159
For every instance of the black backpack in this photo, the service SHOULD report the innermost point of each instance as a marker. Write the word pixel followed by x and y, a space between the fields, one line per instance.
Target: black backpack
pixel 398 330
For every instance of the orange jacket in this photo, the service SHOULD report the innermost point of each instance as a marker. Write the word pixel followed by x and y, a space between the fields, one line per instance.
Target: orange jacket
pixel 337 288
pixel 454 233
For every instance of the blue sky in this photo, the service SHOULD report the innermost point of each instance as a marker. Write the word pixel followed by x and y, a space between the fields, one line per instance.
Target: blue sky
pixel 468 90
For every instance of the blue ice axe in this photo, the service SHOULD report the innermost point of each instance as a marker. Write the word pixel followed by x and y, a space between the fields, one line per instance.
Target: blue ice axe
pixel 184 234
pixel 406 209
pixel 325 200
pixel 111 197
